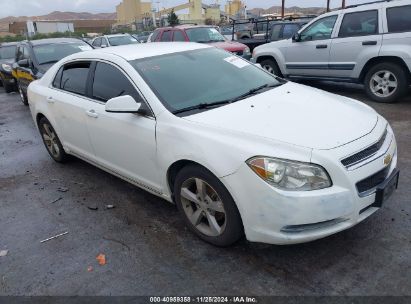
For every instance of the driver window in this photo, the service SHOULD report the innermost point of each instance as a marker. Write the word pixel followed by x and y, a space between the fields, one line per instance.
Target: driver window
pixel 319 30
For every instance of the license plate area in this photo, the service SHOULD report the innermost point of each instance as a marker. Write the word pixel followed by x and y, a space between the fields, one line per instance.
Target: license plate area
pixel 385 189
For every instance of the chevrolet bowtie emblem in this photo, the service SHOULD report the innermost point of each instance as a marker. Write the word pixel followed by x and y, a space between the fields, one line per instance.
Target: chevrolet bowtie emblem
pixel 387 159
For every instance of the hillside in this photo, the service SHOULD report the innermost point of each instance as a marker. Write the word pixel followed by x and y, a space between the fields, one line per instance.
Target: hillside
pixel 293 9
pixel 62 16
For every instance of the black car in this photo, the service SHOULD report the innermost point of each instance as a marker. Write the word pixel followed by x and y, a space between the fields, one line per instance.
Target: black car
pixel 34 58
pixel 7 58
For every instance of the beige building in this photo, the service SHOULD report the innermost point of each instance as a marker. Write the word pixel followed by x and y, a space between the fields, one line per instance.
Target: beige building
pixel 129 11
pixel 234 7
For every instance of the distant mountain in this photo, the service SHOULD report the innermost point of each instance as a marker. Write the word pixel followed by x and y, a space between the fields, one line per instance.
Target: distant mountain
pixel 293 9
pixel 62 16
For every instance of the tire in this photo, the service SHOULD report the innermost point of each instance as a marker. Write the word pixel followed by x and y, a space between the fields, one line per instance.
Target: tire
pixel 53 146
pixel 214 209
pixel 23 95
pixel 389 74
pixel 9 88
pixel 271 66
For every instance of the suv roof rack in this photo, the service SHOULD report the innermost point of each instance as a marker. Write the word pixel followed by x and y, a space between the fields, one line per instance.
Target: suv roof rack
pixel 373 2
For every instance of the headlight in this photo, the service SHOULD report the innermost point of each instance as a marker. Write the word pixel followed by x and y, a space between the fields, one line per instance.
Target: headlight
pixel 290 175
pixel 6 67
pixel 247 51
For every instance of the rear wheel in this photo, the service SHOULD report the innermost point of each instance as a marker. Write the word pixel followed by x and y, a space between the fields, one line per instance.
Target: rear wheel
pixel 271 66
pixel 207 206
pixel 386 82
pixel 23 95
pixel 51 141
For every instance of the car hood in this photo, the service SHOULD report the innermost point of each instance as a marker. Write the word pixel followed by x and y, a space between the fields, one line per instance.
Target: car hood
pixel 295 114
pixel 230 46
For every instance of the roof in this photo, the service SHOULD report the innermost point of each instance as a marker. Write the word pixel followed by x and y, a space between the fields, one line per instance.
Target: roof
pixel 186 26
pixel 53 41
pixel 143 50
pixel 8 44
pixel 116 35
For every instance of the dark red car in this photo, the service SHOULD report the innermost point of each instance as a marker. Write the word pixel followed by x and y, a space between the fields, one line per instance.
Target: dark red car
pixel 201 34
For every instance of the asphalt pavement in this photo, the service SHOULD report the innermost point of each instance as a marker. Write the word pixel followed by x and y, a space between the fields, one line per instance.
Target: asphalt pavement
pixel 148 250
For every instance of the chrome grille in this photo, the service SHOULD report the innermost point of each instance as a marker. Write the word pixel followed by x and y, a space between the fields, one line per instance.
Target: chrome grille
pixel 364 154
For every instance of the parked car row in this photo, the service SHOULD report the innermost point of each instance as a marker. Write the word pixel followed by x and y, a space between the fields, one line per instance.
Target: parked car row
pixel 239 150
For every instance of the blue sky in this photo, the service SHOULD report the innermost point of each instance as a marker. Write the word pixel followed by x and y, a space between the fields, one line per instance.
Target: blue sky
pixel 41 7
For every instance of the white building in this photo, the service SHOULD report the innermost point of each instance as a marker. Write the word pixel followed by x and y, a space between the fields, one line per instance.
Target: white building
pixel 46 27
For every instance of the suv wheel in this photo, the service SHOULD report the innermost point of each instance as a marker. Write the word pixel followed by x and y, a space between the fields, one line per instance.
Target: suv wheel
pixel 271 66
pixel 51 141
pixel 207 206
pixel 386 82
pixel 23 96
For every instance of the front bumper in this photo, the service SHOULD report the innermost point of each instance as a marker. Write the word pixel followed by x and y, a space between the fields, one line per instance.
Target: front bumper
pixel 280 217
pixel 7 78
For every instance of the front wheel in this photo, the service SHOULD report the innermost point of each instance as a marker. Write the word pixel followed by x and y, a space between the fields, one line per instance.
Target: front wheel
pixel 23 96
pixel 271 66
pixel 51 141
pixel 386 82
pixel 207 206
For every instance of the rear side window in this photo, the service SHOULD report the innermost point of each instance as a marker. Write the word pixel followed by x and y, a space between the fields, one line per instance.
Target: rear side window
pixel 166 36
pixel 97 42
pixel 399 19
pixel 276 31
pixel 178 36
pixel 74 77
pixel 359 24
pixel 155 35
pixel 289 30
pixel 110 82
pixel 57 79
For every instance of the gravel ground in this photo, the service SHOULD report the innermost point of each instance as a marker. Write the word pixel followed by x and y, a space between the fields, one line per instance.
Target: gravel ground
pixel 150 252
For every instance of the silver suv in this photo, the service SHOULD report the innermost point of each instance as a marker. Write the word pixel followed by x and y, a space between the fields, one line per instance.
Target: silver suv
pixel 369 44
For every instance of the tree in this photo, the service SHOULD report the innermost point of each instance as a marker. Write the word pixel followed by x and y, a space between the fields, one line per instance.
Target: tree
pixel 172 18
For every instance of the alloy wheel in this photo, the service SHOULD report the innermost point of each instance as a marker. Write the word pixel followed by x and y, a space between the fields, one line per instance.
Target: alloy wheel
pixel 383 83
pixel 203 207
pixel 21 93
pixel 50 139
pixel 268 68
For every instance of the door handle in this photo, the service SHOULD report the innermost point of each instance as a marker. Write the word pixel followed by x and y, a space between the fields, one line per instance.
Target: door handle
pixel 50 99
pixel 92 113
pixel 369 43
pixel 321 46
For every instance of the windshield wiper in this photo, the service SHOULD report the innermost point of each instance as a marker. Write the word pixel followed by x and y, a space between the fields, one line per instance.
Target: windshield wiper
pixel 202 106
pixel 227 101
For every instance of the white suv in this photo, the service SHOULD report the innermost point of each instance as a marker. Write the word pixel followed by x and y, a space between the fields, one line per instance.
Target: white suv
pixel 369 44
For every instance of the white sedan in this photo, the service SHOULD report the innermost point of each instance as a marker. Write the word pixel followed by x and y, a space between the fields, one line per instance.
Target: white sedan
pixel 238 150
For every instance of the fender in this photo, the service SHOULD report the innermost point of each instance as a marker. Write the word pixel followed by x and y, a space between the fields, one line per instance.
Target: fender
pixel 271 50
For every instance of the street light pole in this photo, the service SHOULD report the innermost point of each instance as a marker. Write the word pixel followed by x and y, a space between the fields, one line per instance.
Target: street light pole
pixel 343 4
pixel 282 9
pixel 328 5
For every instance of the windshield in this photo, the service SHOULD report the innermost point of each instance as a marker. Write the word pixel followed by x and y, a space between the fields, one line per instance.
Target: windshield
pixel 204 76
pixel 204 35
pixel 122 40
pixel 7 52
pixel 50 53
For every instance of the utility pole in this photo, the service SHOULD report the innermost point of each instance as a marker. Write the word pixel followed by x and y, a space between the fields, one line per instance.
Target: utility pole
pixel 283 9
pixel 343 4
pixel 328 5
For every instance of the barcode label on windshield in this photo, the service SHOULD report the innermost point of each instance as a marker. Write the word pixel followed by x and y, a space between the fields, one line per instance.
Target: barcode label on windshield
pixel 238 62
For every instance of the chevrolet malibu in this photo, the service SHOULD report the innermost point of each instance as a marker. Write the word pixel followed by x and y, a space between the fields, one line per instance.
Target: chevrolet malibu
pixel 238 150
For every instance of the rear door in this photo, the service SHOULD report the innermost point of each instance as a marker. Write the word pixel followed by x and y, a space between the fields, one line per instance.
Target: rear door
pixel 310 55
pixel 359 39
pixel 69 104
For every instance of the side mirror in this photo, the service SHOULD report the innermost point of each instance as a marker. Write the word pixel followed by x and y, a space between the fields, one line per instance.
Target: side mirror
pixel 122 104
pixel 296 37
pixel 24 63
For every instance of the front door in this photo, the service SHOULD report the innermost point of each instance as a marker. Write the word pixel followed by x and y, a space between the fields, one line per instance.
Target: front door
pixel 123 142
pixel 310 55
pixel 24 75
